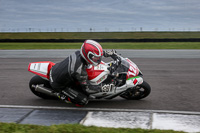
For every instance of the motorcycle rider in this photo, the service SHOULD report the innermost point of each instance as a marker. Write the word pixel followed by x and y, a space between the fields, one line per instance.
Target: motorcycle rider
pixel 71 70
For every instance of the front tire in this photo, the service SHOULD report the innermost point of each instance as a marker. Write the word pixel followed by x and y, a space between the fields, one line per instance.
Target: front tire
pixel 37 80
pixel 138 92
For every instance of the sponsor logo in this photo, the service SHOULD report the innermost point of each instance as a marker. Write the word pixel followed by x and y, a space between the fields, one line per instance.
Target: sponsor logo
pixel 101 79
pixel 107 88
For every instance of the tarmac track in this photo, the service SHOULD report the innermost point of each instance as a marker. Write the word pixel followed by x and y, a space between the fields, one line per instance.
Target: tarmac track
pixel 174 82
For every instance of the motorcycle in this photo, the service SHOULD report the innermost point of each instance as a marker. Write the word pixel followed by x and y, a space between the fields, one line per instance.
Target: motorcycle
pixel 126 81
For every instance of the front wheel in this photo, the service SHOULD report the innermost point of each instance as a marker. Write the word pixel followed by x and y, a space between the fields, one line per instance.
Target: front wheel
pixel 138 92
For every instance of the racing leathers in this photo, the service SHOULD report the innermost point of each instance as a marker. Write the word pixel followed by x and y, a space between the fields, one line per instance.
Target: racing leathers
pixel 66 74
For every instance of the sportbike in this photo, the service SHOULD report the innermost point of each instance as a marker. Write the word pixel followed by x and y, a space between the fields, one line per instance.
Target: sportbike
pixel 126 82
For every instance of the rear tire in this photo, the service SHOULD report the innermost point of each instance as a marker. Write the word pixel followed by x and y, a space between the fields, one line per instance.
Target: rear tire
pixel 137 93
pixel 37 80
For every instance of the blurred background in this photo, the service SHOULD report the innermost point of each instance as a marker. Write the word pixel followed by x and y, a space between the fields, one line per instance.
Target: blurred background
pixel 99 15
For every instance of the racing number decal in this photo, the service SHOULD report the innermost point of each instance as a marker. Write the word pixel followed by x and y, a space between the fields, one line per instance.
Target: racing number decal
pixel 132 71
pixel 108 88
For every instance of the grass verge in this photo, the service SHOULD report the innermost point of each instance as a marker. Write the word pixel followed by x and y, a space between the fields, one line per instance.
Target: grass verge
pixel 147 45
pixel 100 35
pixel 69 128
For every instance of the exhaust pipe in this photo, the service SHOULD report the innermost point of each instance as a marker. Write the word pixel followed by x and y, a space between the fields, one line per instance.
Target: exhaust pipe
pixel 44 90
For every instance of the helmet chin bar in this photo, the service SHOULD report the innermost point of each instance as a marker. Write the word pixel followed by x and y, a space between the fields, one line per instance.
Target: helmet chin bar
pixel 88 60
pixel 94 63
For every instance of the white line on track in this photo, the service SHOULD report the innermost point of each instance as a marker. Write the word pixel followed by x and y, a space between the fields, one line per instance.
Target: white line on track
pixel 99 109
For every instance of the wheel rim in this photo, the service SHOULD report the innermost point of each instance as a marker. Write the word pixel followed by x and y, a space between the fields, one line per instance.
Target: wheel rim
pixel 137 93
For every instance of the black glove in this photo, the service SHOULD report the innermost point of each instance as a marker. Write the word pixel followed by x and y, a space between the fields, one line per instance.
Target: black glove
pixel 109 53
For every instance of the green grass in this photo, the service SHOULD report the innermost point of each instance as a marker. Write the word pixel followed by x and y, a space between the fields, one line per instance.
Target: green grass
pixel 100 35
pixel 69 128
pixel 150 45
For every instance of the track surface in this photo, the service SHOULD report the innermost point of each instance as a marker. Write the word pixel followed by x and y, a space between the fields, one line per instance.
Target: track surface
pixel 175 85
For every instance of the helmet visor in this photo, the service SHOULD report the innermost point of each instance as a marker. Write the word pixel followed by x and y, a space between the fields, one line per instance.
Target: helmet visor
pixel 97 59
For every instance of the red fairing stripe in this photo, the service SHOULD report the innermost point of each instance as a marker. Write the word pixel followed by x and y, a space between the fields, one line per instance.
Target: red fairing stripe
pixel 135 81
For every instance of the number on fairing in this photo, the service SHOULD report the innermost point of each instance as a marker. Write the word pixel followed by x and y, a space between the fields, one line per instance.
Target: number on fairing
pixel 132 69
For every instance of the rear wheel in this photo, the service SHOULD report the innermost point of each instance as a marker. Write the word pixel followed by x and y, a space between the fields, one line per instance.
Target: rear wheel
pixel 138 92
pixel 37 80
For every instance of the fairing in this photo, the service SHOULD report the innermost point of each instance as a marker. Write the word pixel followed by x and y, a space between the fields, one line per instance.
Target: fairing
pixel 97 74
pixel 41 68
pixel 128 67
pixel 133 70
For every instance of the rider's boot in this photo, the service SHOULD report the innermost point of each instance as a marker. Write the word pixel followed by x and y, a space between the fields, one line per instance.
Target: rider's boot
pixel 74 96
pixel 63 98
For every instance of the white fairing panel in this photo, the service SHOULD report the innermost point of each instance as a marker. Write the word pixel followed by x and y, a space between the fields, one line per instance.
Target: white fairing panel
pixel 134 81
pixel 41 68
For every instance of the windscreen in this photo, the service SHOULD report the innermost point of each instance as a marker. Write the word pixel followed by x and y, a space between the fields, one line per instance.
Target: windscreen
pixel 124 66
